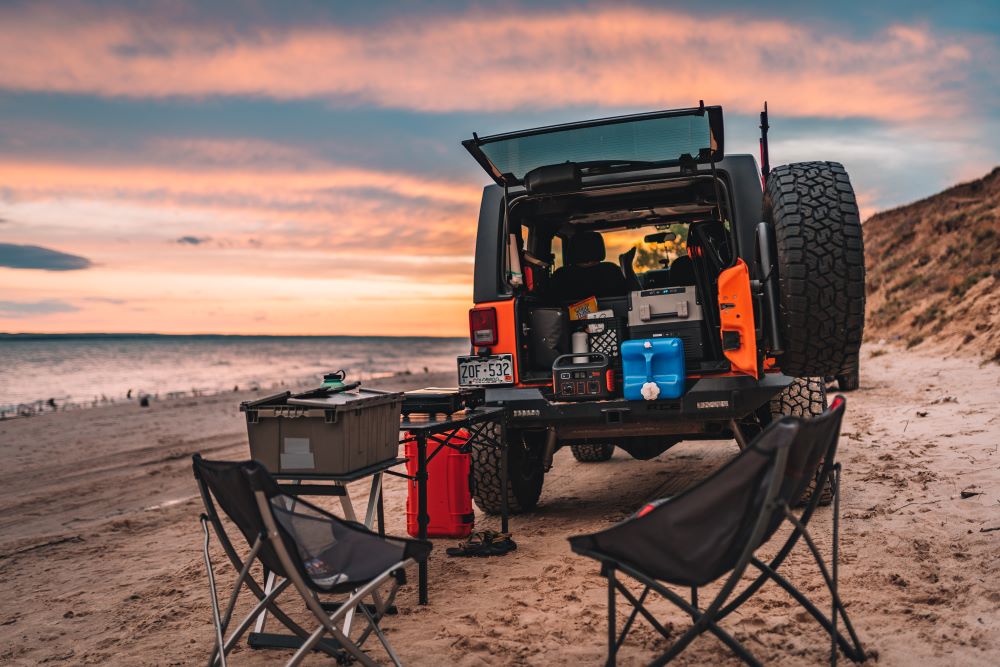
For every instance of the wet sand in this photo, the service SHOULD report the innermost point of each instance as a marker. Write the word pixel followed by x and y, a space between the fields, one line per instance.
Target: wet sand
pixel 100 547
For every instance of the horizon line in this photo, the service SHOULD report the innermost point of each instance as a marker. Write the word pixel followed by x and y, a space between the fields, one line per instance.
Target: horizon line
pixel 126 334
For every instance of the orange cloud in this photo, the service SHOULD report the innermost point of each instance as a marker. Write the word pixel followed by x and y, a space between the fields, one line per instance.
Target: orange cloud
pixel 617 57
pixel 337 208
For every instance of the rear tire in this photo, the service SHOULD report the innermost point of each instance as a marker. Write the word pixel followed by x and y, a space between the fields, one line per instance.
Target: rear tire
pixel 821 267
pixel 592 453
pixel 805 397
pixel 524 472
pixel 849 381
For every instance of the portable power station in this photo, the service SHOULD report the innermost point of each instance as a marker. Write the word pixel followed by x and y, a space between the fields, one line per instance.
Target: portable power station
pixel 582 376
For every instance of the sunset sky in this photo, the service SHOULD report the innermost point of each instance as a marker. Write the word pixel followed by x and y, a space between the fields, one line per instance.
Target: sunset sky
pixel 295 167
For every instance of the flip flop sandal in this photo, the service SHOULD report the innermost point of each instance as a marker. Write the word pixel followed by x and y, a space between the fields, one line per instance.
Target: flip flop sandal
pixel 483 544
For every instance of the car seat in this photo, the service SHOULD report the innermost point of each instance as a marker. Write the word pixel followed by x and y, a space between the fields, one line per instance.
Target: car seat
pixel 585 273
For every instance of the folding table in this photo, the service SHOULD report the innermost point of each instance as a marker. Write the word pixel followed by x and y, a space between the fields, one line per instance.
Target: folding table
pixel 443 431
pixel 484 425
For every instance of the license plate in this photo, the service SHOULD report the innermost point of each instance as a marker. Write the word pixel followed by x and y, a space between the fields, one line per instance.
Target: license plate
pixel 495 369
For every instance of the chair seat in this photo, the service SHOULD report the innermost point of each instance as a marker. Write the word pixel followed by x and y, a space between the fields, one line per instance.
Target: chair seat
pixel 339 555
pixel 355 559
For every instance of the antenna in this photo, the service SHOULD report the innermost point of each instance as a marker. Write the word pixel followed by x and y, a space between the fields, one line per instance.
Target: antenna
pixel 765 161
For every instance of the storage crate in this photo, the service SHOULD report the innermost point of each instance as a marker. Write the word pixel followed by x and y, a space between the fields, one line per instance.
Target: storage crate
pixel 316 433
pixel 606 335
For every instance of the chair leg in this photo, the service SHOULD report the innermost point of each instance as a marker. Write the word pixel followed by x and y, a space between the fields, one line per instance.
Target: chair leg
pixel 704 621
pixel 631 619
pixel 255 588
pixel 806 604
pixel 641 608
pixel 220 645
pixel 775 563
pixel 833 566
pixel 373 624
pixel 258 609
pixel 222 623
pixel 612 618
pixel 854 650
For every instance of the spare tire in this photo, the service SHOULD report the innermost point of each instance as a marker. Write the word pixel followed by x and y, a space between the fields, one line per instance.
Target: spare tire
pixel 590 453
pixel 821 267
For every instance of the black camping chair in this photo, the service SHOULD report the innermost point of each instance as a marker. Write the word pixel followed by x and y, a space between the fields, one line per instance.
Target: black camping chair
pixel 716 527
pixel 307 548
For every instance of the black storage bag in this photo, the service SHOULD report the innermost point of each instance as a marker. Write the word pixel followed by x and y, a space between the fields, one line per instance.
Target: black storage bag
pixel 549 336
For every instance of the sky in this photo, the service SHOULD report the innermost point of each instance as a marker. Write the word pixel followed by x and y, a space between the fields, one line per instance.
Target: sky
pixel 295 167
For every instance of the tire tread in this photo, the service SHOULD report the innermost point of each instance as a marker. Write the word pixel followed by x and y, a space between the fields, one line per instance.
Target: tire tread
pixel 821 266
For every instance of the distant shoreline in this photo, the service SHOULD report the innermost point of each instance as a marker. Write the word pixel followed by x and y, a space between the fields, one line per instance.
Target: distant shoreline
pixel 39 408
pixel 139 336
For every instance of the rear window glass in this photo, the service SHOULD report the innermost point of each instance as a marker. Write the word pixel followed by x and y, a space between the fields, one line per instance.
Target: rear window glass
pixel 653 140
pixel 650 255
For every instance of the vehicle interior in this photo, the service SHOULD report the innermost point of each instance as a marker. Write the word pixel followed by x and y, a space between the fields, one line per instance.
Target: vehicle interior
pixel 610 241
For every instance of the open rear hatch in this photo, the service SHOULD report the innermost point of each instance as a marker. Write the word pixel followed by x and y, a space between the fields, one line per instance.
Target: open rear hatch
pixel 622 143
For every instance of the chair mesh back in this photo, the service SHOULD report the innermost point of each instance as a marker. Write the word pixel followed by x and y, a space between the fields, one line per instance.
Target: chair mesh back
pixel 816 442
pixel 229 485
pixel 334 552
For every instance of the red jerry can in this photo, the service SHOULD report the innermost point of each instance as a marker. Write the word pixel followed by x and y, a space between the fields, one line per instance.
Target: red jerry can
pixel 449 498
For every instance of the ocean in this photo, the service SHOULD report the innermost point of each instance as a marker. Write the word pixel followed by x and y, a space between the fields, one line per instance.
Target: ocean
pixel 88 370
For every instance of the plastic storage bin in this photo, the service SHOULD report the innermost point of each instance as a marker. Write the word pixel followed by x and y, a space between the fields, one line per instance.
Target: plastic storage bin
pixel 659 360
pixel 449 496
pixel 324 434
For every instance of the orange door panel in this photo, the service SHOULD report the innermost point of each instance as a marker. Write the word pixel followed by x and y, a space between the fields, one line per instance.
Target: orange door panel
pixel 739 340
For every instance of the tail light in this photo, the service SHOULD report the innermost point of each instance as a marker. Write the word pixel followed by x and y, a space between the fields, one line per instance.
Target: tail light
pixel 483 326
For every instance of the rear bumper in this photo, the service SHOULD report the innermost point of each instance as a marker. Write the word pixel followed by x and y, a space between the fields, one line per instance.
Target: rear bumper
pixel 707 403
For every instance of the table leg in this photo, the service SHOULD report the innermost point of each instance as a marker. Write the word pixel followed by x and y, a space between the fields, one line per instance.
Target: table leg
pixel 504 510
pixel 381 515
pixel 422 518
pixel 374 496
pixel 347 505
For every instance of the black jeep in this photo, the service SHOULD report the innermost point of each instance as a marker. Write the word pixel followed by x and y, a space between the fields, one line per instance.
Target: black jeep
pixel 735 292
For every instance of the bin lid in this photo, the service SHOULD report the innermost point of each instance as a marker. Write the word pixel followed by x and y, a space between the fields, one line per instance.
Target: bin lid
pixel 274 399
pixel 354 398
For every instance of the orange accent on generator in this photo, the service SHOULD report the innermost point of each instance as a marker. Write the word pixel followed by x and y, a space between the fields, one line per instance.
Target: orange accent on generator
pixel 736 318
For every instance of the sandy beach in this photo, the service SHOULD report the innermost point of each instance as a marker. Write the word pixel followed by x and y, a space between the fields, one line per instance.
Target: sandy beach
pixel 100 547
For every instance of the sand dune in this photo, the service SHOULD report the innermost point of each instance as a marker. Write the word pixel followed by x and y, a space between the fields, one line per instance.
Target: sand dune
pixel 100 545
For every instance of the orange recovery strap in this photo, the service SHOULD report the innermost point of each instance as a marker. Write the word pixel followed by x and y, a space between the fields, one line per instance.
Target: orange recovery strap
pixel 739 339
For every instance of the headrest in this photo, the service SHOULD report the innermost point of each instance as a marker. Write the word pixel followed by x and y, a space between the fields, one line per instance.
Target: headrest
pixel 584 246
pixel 682 271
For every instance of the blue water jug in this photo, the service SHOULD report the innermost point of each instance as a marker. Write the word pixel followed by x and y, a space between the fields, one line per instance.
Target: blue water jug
pixel 656 360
